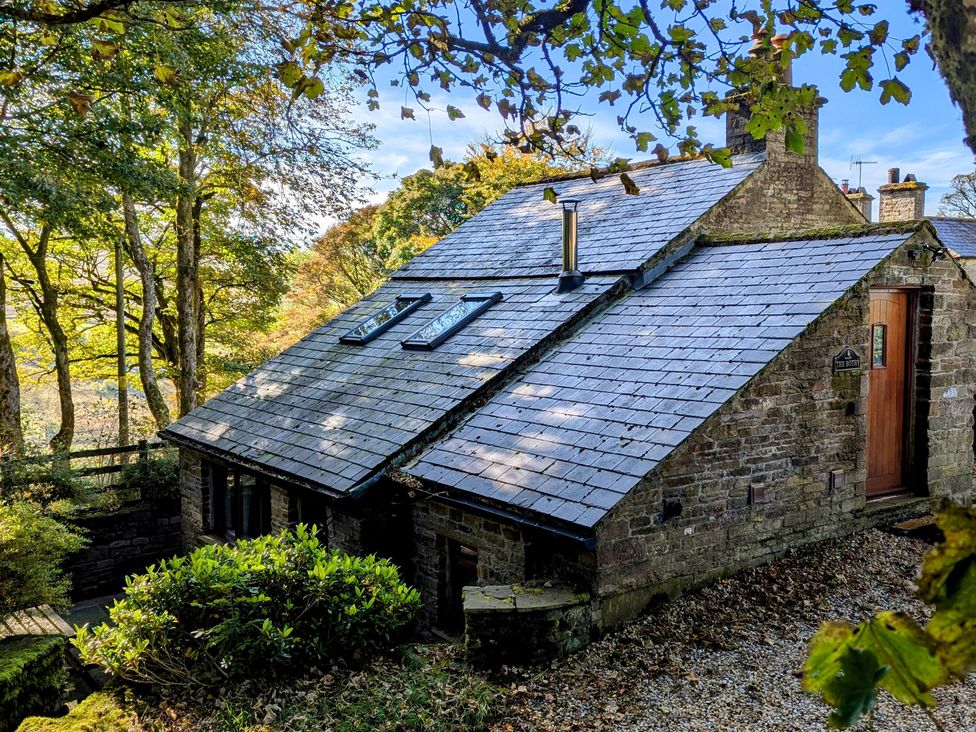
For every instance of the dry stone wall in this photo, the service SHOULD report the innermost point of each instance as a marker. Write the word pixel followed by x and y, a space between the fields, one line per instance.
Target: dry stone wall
pixel 123 542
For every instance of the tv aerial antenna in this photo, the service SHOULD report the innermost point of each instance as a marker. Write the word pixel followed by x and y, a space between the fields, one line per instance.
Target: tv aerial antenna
pixel 857 162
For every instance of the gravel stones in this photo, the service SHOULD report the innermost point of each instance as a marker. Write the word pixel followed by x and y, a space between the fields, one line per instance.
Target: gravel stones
pixel 727 657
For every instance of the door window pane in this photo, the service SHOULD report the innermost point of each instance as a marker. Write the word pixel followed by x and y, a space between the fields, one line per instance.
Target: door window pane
pixel 879 344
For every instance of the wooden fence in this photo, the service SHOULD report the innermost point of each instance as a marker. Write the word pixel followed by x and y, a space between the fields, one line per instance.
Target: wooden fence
pixel 8 467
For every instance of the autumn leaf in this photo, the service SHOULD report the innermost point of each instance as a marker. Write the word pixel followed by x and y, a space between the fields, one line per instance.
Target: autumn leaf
pixel 437 156
pixel 644 139
pixel 406 113
pixel 898 644
pixel 471 171
pixel 549 194
pixel 80 103
pixel 630 187
pixel 289 73
pixel 165 74
pixel 11 78
pixel 852 692
pixel 895 89
pixel 314 88
pixel 110 22
pixel 946 563
pixel 454 113
pixel 104 50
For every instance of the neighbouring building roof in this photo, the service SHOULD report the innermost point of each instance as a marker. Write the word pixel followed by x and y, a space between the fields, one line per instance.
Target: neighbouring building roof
pixel 519 234
pixel 571 436
pixel 959 235
pixel 332 415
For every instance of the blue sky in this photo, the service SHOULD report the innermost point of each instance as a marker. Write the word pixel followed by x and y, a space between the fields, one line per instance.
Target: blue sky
pixel 924 138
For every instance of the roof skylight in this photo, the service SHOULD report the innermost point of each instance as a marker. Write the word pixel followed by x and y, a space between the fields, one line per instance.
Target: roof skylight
pixel 450 321
pixel 385 319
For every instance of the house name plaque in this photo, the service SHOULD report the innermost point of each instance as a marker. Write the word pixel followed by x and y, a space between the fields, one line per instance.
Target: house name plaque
pixel 847 360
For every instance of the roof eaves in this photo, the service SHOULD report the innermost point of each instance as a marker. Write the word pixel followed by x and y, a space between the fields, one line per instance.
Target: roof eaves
pixel 245 463
pixel 434 490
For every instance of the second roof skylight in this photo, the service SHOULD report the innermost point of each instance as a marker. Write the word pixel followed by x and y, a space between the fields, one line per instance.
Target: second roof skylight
pixel 450 321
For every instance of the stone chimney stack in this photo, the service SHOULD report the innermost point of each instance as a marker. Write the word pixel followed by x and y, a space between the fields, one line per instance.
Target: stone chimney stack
pixel 860 198
pixel 739 141
pixel 901 201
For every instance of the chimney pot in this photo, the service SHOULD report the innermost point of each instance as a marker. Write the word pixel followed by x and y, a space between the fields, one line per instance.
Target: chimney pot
pixel 893 174
pixel 910 178
pixel 570 278
pixel 845 185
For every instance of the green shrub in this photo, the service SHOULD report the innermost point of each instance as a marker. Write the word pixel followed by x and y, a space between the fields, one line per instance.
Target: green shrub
pixel 98 713
pixel 276 604
pixel 32 674
pixel 156 479
pixel 33 547
pixel 54 485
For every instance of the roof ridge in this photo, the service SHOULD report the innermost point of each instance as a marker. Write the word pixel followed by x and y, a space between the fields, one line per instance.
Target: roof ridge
pixel 605 171
pixel 813 234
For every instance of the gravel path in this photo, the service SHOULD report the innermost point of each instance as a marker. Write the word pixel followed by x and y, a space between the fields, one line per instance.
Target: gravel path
pixel 726 658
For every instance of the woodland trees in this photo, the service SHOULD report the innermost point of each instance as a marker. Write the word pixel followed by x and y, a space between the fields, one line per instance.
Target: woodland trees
pixel 168 131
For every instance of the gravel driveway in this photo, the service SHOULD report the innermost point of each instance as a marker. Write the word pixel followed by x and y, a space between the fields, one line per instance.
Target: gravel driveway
pixel 727 656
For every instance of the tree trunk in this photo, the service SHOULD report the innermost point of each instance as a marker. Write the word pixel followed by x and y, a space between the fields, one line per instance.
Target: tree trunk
pixel 46 302
pixel 198 304
pixel 147 372
pixel 11 433
pixel 48 307
pixel 186 271
pixel 122 369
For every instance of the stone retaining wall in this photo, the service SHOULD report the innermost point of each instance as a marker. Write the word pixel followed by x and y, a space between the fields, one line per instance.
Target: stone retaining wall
pixel 123 542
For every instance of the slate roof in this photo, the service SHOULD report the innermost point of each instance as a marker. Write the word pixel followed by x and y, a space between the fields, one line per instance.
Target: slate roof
pixel 332 414
pixel 519 234
pixel 959 235
pixel 580 428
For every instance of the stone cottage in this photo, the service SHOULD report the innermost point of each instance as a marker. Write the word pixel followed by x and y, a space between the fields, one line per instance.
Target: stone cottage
pixel 624 394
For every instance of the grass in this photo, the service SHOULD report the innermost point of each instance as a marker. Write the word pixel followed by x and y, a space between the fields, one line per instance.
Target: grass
pixel 424 689
pixel 429 689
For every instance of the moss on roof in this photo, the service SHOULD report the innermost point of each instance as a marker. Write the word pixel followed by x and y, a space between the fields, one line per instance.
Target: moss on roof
pixel 598 173
pixel 908 185
pixel 829 232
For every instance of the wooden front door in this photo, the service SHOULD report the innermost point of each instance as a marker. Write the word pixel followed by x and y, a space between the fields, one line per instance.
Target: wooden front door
pixel 888 398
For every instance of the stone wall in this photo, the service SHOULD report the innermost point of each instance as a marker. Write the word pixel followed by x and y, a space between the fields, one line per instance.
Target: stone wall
pixel 783 463
pixel 501 550
pixel 970 266
pixel 123 542
pixel 280 503
pixel 191 497
pixel 788 192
